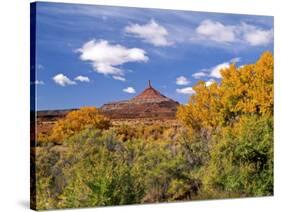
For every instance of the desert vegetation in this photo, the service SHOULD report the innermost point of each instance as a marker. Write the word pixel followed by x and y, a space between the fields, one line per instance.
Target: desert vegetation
pixel 221 148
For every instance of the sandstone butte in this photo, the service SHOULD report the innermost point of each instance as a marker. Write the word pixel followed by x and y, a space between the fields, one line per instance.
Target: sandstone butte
pixel 148 104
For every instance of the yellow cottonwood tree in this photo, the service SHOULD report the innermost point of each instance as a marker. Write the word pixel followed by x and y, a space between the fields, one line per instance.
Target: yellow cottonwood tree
pixel 249 89
pixel 231 124
pixel 244 90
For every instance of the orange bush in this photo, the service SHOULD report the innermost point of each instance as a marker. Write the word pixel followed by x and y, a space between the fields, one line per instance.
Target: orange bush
pixel 76 121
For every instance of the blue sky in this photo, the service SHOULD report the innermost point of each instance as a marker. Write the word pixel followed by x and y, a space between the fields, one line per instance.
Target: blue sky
pixel 88 55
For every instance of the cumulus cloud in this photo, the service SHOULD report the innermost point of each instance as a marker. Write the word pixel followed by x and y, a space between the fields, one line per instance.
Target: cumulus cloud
pixel 152 33
pixel 119 78
pixel 209 82
pixel 256 36
pixel 82 78
pixel 245 33
pixel 63 80
pixel 199 75
pixel 216 31
pixel 186 90
pixel 39 82
pixel 106 58
pixel 129 90
pixel 182 80
pixel 215 71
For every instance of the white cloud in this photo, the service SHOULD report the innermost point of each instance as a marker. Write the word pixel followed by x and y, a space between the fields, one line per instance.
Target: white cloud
pixel 106 57
pixel 186 90
pixel 129 90
pixel 39 82
pixel 199 74
pixel 216 31
pixel 256 36
pixel 119 78
pixel 209 82
pixel 182 80
pixel 152 33
pixel 63 80
pixel 40 66
pixel 215 71
pixel 235 60
pixel 82 78
pixel 245 33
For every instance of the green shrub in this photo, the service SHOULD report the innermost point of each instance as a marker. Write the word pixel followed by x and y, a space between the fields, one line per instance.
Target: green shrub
pixel 242 158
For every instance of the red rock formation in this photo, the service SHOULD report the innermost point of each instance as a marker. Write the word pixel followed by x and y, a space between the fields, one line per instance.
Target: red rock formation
pixel 148 104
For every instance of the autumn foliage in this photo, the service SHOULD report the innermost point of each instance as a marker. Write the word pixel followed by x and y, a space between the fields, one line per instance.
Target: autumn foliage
pixel 234 120
pixel 222 148
pixel 243 90
pixel 76 121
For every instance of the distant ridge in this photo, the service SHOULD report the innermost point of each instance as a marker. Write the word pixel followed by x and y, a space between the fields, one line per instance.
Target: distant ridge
pixel 52 115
